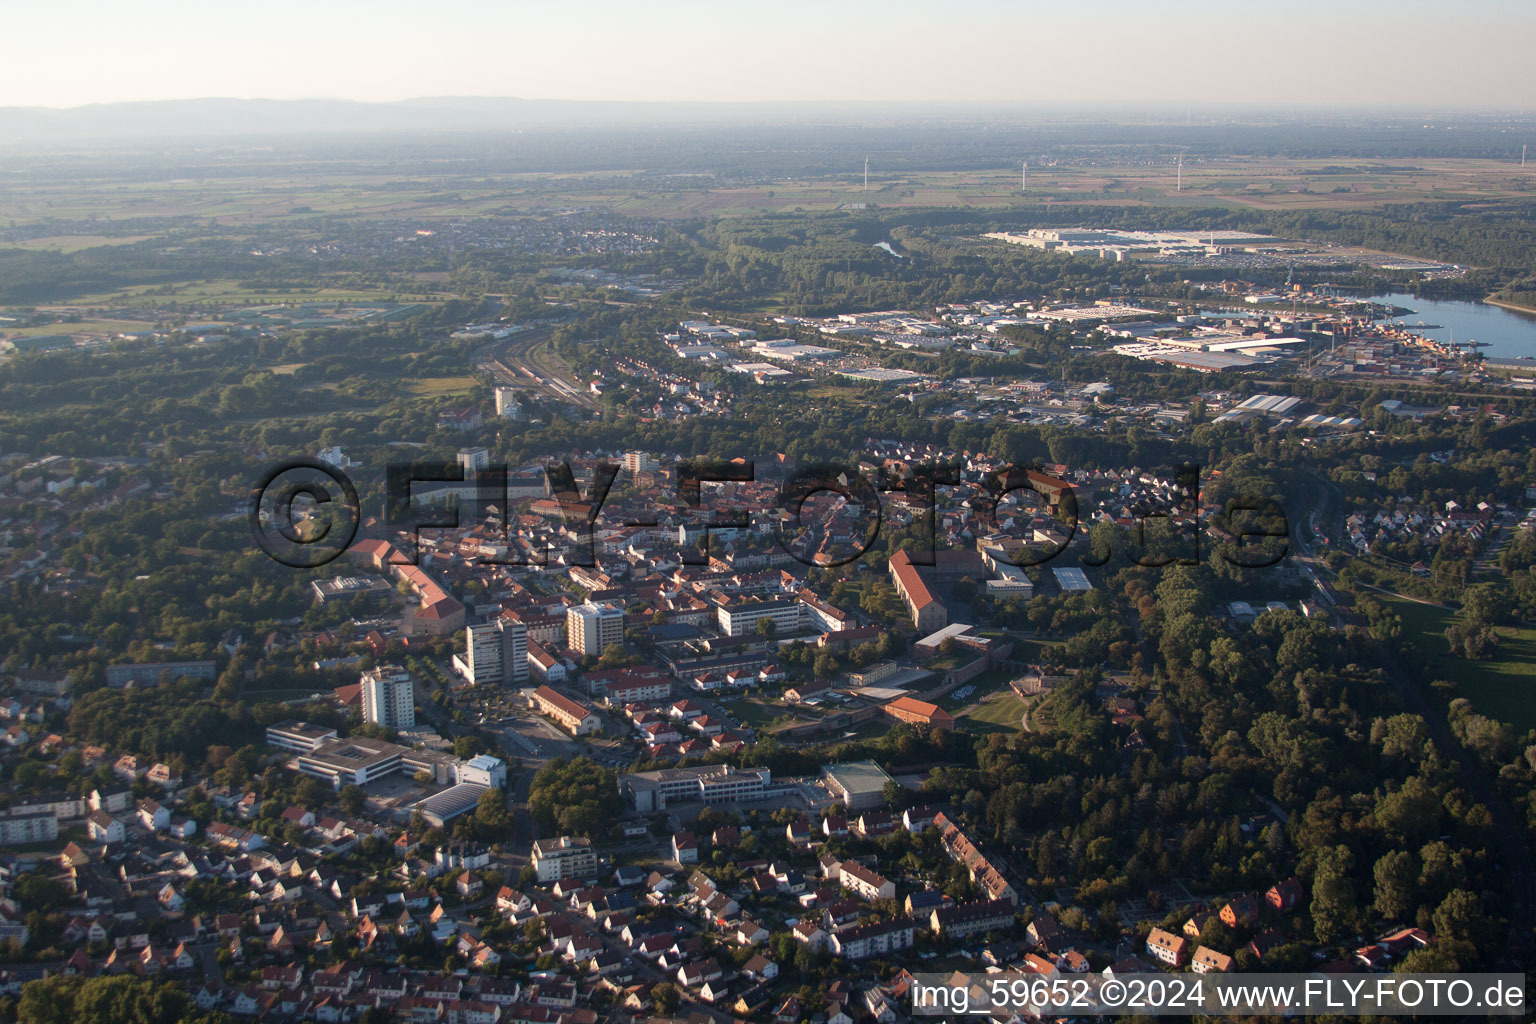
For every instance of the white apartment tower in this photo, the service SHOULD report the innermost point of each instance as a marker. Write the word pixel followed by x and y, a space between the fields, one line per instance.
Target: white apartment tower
pixel 640 462
pixel 514 648
pixel 388 698
pixel 473 459
pixel 591 627
pixel 507 405
pixel 496 653
pixel 565 857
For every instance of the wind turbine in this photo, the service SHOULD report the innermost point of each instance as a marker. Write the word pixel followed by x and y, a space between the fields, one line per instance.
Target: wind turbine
pixel 866 174
pixel 1024 177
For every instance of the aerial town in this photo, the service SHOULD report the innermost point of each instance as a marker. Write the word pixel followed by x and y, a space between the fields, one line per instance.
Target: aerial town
pixel 708 556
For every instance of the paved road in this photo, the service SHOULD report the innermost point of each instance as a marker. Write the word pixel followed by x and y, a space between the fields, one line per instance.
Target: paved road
pixel 523 828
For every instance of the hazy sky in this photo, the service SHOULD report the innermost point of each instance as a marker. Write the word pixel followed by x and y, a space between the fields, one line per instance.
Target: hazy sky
pixel 1340 53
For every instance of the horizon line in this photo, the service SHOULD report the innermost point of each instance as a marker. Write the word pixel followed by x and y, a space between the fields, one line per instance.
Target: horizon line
pixel 1169 106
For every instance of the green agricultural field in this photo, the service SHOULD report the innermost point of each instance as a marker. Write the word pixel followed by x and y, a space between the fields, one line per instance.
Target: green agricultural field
pixel 1504 687
pixel 1267 184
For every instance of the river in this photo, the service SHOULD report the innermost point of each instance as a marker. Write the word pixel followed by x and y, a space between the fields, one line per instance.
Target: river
pixel 1505 332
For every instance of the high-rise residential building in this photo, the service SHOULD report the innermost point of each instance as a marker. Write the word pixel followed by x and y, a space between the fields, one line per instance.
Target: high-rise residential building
pixel 388 697
pixel 589 628
pixel 473 459
pixel 483 663
pixel 565 857
pixel 640 462
pixel 514 648
pixel 336 457
pixel 507 405
pixel 495 653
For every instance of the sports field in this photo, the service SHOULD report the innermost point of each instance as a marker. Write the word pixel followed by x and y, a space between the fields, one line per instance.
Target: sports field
pixel 1001 712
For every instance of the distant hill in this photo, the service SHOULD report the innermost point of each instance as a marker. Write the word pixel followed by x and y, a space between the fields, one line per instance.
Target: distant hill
pixel 777 137
pixel 236 117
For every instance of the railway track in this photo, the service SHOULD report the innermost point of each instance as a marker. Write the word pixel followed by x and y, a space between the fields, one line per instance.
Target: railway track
pixel 517 365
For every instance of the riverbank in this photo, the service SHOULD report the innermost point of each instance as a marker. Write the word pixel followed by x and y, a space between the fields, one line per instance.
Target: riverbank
pixel 1501 327
pixel 1509 305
